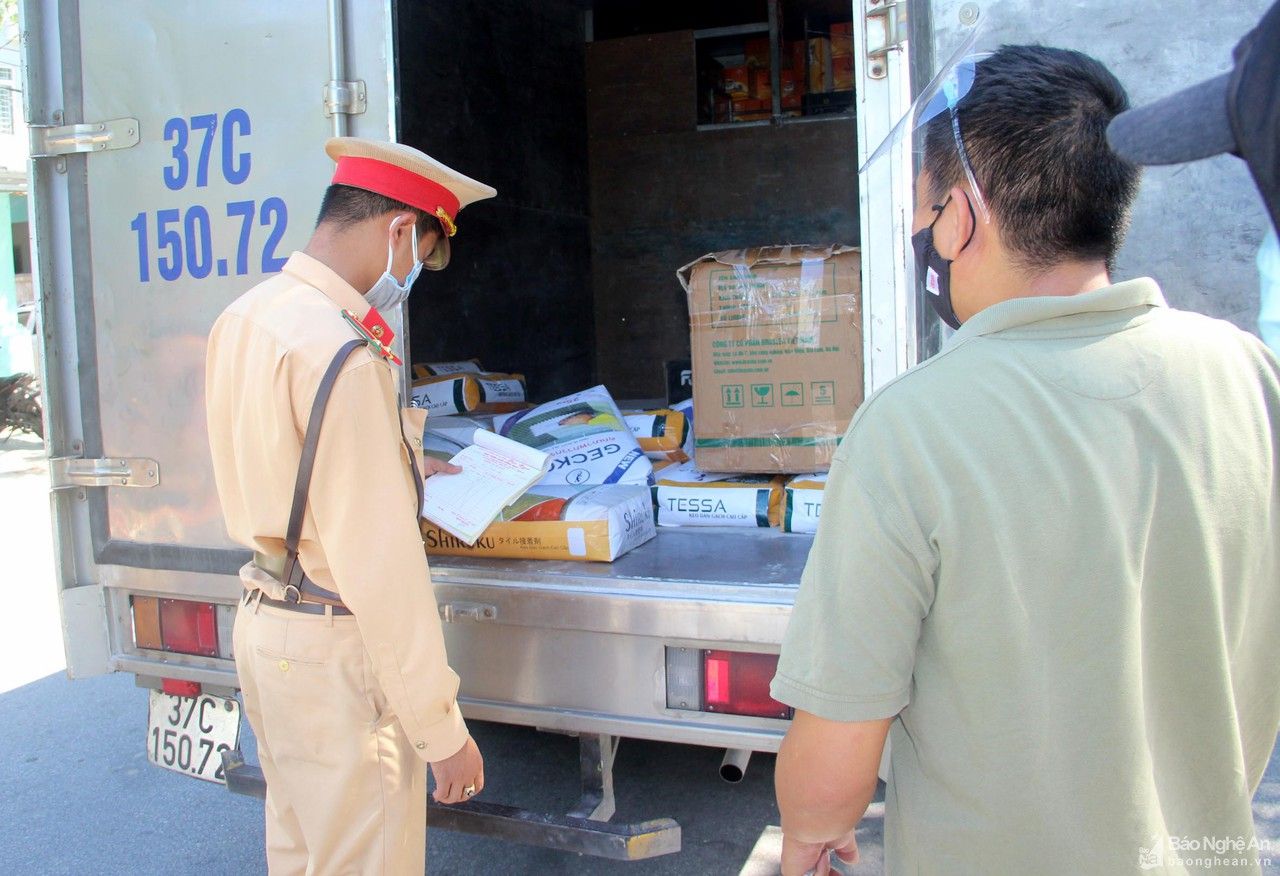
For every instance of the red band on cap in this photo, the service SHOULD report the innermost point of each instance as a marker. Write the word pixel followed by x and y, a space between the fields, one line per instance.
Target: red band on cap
pixel 395 182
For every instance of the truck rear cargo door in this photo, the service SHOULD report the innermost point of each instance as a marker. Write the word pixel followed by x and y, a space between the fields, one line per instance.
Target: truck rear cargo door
pixel 882 83
pixel 182 162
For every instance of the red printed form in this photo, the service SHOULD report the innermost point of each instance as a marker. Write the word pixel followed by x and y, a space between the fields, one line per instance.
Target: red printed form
pixel 495 472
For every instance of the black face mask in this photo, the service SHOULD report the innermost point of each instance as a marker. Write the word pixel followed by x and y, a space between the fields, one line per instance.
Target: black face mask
pixel 933 272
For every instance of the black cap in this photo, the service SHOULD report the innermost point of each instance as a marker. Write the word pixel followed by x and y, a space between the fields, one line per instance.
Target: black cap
pixel 1237 112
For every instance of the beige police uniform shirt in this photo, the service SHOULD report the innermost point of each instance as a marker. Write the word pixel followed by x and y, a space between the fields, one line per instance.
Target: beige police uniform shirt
pixel 360 538
pixel 1051 550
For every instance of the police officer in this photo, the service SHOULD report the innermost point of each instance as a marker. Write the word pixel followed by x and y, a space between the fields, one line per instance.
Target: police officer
pixel 338 643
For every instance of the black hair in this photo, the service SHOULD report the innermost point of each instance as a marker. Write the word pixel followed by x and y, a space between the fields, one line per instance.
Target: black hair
pixel 347 205
pixel 1034 127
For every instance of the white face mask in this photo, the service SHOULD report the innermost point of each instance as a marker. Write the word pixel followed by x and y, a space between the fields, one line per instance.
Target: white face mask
pixel 389 293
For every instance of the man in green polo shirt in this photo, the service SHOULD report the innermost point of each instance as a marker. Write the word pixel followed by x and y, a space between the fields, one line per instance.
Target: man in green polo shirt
pixel 1048 560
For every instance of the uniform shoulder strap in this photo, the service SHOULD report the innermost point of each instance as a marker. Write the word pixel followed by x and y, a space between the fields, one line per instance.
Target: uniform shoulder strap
pixel 302 487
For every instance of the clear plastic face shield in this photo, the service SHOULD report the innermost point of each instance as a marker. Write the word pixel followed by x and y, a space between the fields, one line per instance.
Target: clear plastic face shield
pixel 933 125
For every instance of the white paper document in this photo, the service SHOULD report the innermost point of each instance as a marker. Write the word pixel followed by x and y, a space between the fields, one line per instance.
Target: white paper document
pixel 495 472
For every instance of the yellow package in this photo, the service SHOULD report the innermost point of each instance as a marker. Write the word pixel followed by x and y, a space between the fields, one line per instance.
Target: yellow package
pixel 662 434
pixel 445 395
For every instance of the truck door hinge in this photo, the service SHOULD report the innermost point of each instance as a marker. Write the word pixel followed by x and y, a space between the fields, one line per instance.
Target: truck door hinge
pixel 348 98
pixel 68 472
pixel 51 140
pixel 886 32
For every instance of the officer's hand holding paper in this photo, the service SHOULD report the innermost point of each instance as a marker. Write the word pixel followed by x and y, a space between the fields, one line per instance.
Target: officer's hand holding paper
pixel 495 472
pixel 432 466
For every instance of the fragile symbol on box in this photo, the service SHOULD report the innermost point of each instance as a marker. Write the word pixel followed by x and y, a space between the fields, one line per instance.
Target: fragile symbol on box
pixel 792 395
pixel 762 395
pixel 824 392
pixel 732 395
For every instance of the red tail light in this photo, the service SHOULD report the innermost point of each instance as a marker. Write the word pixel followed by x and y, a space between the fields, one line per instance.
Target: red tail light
pixel 188 627
pixel 737 683
pixel 179 688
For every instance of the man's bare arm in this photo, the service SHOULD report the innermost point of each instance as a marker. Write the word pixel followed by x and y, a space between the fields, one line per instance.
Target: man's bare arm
pixel 825 778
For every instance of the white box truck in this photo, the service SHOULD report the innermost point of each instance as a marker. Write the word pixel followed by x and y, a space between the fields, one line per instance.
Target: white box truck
pixel 177 161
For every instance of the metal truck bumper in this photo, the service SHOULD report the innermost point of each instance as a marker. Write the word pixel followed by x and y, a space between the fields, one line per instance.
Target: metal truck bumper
pixel 564 833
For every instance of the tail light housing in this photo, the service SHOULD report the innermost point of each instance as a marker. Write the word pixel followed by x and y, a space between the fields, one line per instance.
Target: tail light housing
pixel 726 682
pixel 182 626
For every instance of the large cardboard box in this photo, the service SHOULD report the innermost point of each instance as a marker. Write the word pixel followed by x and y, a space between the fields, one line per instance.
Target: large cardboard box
pixel 776 334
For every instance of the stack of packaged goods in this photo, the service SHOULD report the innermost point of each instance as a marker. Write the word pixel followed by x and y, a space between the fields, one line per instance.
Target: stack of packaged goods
pixel 777 369
pixel 791 79
pixel 828 59
pixel 449 388
pixel 593 504
pixel 746 89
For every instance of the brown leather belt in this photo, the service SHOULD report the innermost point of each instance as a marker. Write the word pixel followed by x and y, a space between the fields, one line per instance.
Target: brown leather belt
pixel 303 607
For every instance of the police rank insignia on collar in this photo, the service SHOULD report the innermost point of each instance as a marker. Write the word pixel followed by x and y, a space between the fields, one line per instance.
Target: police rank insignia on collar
pixel 375 332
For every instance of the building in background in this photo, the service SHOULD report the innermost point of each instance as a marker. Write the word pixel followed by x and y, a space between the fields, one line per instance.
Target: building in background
pixel 17 304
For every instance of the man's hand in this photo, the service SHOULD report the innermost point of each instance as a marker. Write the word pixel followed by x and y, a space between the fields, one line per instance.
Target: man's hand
pixel 800 858
pixel 432 466
pixel 454 774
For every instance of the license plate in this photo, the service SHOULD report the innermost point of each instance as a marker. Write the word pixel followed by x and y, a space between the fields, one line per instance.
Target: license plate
pixel 189 734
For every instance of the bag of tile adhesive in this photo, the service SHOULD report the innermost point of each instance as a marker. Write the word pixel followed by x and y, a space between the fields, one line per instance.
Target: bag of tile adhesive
pixel 446 437
pixel 685 496
pixel 598 523
pixel 451 388
pixel 586 436
pixel 803 503
pixel 662 434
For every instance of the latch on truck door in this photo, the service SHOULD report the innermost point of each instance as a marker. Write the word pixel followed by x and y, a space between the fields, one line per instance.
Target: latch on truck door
pixel 886 32
pixel 49 140
pixel 476 611
pixel 69 472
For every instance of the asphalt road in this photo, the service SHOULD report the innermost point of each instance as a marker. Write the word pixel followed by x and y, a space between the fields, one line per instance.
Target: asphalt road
pixel 77 794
